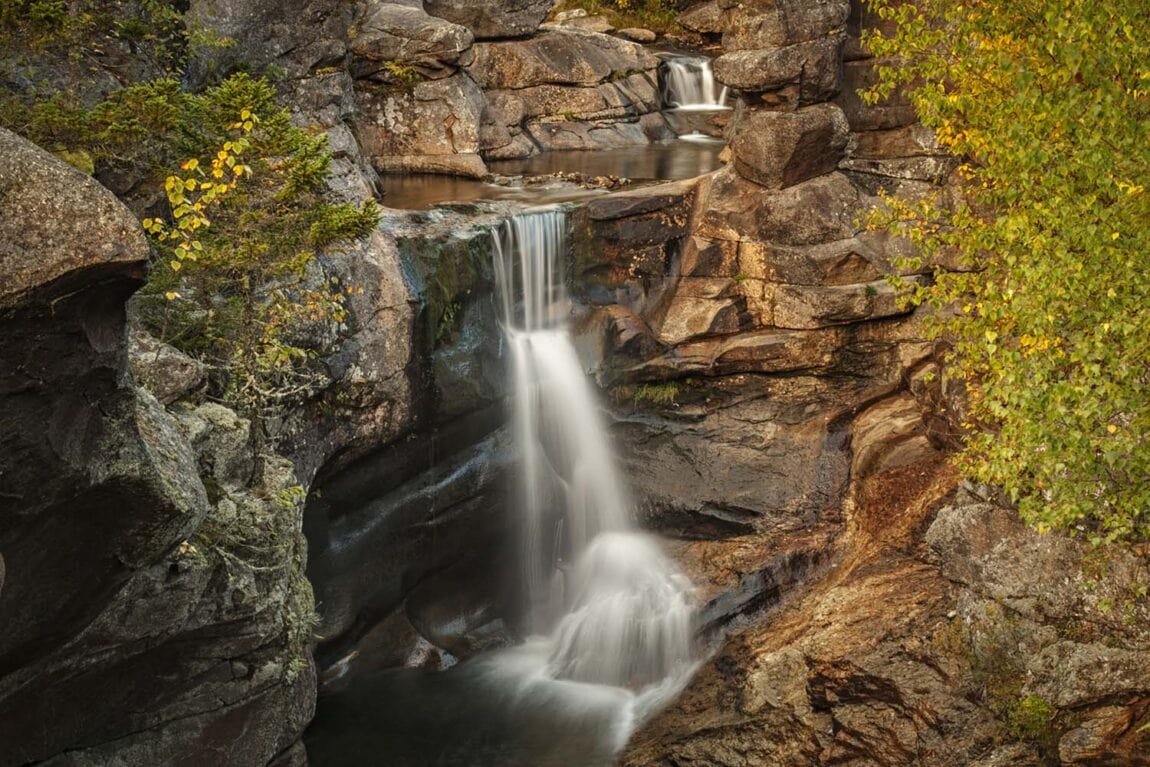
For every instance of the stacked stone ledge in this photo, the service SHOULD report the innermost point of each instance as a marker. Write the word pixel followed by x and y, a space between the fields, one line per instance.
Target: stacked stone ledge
pixel 441 89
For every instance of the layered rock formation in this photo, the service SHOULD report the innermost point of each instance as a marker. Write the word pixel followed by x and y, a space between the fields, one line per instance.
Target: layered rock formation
pixel 777 410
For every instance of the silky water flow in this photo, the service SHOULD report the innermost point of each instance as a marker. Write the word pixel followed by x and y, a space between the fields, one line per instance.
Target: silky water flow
pixel 609 618
pixel 611 615
pixel 689 85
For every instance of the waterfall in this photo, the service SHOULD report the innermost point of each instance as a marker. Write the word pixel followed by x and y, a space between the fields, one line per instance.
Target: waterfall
pixel 689 84
pixel 611 608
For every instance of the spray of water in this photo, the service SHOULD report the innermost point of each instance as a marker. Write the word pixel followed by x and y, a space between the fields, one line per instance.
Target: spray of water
pixel 689 85
pixel 610 608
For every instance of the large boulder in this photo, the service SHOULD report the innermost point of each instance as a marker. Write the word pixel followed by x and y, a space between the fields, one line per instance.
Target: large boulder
pixel 780 149
pixel 558 56
pixel 79 461
pixel 44 245
pixel 390 36
pixel 804 73
pixel 765 24
pixel 492 18
pixel 704 19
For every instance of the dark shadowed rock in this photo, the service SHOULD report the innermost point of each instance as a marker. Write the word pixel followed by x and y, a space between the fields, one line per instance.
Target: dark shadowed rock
pixel 895 111
pixel 493 18
pixel 123 566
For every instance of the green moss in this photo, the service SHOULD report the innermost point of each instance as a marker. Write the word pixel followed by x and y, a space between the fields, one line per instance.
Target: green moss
pixel 403 74
pixel 996 649
pixel 1031 718
pixel 656 394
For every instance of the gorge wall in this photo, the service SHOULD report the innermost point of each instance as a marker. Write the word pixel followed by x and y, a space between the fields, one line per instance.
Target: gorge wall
pixel 774 406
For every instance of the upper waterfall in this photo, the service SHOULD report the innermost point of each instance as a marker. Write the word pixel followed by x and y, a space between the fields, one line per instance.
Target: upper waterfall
pixel 689 84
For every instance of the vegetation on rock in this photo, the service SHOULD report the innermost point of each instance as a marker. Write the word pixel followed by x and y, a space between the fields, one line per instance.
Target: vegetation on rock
pixel 248 218
pixel 1047 102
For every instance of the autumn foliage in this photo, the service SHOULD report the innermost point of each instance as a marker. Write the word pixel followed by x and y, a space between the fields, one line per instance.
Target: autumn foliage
pixel 1047 103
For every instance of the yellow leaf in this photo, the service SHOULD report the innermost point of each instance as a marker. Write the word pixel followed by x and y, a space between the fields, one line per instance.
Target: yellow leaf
pixel 191 164
pixel 1111 428
pixel 171 295
pixel 175 265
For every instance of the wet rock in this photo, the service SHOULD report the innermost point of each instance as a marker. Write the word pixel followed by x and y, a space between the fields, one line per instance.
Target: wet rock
pixel 387 523
pixel 780 149
pixel 733 455
pixel 814 67
pixel 390 35
pixel 431 128
pixel 493 18
pixel 624 242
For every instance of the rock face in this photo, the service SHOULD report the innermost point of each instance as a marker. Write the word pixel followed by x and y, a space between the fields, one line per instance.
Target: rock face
pixel 491 18
pixel 433 127
pixel 565 88
pixel 120 567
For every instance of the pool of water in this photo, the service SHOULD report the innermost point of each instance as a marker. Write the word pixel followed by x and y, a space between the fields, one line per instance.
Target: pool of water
pixel 667 161
pixel 498 710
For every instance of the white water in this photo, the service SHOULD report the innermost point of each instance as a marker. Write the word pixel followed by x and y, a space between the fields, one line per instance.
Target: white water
pixel 612 614
pixel 690 85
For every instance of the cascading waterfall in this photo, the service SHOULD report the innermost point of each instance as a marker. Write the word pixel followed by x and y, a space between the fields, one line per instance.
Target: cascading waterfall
pixel 689 85
pixel 610 608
